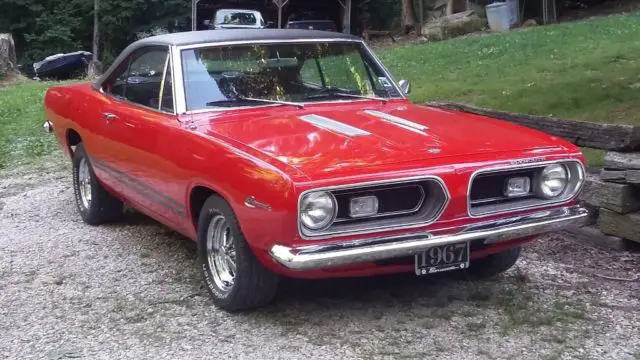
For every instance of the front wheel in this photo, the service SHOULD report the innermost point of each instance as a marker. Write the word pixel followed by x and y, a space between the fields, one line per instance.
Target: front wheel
pixel 494 264
pixel 236 280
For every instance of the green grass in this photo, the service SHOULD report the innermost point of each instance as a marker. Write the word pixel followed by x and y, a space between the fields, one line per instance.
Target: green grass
pixel 22 138
pixel 587 70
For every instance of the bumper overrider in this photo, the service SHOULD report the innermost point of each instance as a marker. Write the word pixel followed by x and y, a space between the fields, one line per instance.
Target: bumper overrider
pixel 326 255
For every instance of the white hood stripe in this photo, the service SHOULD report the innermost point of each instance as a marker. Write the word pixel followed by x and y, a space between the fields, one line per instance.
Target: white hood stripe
pixel 330 124
pixel 403 123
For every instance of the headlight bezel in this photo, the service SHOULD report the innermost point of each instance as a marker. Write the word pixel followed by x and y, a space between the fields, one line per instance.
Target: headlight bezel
pixel 577 180
pixel 548 194
pixel 325 224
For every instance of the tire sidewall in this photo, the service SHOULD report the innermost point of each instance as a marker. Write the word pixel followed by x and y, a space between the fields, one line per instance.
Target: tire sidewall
pixel 78 155
pixel 212 207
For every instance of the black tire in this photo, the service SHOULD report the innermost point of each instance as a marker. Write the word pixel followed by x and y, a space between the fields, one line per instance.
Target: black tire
pixel 103 207
pixel 494 264
pixel 253 286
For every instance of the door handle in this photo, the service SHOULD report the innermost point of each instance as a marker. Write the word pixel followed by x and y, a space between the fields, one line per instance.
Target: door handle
pixel 109 116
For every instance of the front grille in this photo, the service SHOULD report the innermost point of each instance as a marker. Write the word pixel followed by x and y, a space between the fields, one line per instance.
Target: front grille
pixel 486 193
pixel 401 204
pixel 392 201
pixel 489 188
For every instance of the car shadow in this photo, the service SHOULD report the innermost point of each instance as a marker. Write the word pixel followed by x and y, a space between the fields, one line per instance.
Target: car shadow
pixel 336 295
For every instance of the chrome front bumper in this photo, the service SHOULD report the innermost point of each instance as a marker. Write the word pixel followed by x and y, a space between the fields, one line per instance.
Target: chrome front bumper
pixel 310 257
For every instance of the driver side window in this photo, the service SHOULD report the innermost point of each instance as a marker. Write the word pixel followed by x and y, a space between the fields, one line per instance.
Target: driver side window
pixel 140 78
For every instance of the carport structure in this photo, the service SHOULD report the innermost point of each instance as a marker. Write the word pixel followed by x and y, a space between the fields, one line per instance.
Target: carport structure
pixel 338 10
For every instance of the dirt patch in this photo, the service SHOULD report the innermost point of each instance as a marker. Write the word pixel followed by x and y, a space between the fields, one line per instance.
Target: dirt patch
pixel 131 290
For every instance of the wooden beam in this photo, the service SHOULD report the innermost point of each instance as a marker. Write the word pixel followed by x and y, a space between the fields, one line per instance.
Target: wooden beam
pixel 615 137
pixel 624 226
pixel 621 198
pixel 615 160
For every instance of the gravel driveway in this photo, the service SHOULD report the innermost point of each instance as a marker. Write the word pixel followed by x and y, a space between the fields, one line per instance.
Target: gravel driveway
pixel 131 291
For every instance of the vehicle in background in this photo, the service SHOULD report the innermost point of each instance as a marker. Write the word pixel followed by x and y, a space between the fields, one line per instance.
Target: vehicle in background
pixel 324 25
pixel 311 20
pixel 63 66
pixel 236 19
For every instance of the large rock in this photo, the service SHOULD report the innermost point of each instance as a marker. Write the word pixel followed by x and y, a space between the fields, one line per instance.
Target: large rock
pixel 621 198
pixel 625 226
pixel 454 25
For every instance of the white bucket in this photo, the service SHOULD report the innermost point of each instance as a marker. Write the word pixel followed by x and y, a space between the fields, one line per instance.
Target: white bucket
pixel 498 16
pixel 514 12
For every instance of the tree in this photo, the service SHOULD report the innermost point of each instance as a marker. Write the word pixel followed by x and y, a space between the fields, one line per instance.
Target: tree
pixel 95 67
pixel 409 19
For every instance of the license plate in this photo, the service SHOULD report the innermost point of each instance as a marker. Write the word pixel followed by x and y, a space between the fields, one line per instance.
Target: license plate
pixel 443 258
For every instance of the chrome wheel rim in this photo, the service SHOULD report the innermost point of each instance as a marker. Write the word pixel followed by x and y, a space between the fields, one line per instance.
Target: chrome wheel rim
pixel 221 253
pixel 84 183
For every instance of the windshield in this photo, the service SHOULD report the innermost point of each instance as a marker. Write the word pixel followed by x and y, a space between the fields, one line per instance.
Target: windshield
pixel 235 18
pixel 304 72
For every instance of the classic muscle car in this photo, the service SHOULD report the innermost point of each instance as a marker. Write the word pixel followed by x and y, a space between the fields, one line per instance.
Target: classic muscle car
pixel 295 153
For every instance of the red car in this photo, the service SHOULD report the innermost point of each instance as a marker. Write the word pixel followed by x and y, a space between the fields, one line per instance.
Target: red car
pixel 295 153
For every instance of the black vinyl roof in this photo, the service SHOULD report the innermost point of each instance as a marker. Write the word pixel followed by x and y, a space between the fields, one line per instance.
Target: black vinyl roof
pixel 212 36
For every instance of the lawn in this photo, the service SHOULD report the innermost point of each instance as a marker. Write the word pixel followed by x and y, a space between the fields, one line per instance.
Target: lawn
pixel 22 138
pixel 587 70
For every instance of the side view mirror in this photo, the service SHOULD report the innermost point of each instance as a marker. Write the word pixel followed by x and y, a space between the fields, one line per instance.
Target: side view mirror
pixel 405 86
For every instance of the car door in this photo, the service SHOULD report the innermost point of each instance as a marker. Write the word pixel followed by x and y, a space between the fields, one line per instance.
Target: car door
pixel 139 122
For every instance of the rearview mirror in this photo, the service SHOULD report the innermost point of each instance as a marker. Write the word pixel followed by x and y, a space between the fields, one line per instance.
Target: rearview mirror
pixel 278 63
pixel 206 22
pixel 405 86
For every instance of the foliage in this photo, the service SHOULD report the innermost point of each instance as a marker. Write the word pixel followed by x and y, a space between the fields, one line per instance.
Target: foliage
pixel 46 27
pixel 381 14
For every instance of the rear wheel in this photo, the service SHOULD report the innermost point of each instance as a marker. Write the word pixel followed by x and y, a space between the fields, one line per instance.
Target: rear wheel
pixel 234 277
pixel 95 205
pixel 494 264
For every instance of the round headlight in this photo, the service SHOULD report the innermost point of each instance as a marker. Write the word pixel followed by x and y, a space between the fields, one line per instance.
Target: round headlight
pixel 317 210
pixel 553 181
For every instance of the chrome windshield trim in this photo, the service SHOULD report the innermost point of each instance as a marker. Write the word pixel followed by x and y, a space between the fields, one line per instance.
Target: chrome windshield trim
pixel 369 229
pixel 501 168
pixel 311 257
pixel 180 94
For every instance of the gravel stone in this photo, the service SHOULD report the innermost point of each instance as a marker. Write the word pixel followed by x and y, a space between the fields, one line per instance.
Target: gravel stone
pixel 132 291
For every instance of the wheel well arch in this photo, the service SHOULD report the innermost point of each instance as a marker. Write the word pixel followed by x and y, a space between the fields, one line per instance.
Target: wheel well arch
pixel 72 139
pixel 197 197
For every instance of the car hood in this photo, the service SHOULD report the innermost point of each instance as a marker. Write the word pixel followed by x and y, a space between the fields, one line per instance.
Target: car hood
pixel 327 138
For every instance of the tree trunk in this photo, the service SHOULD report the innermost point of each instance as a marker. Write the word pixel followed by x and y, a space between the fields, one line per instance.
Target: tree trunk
pixel 280 4
pixel 95 68
pixel 7 54
pixel 408 16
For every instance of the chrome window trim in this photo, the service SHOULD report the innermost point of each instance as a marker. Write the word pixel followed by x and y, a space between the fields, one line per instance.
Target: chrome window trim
pixel 393 213
pixel 180 94
pixel 98 85
pixel 497 169
pixel 374 229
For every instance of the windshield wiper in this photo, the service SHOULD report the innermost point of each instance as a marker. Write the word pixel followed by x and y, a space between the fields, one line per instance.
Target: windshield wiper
pixel 333 92
pixel 238 99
